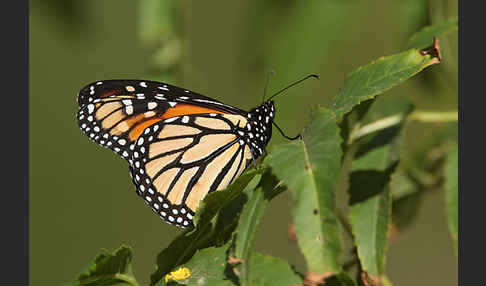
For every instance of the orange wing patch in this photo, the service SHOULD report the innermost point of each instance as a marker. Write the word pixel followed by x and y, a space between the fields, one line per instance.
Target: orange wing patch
pixel 178 110
pixel 185 109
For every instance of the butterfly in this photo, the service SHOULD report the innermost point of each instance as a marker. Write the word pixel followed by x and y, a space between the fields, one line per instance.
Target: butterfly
pixel 180 145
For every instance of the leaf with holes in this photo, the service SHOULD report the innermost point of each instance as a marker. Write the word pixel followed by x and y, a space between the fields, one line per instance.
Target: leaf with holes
pixel 310 169
pixel 379 76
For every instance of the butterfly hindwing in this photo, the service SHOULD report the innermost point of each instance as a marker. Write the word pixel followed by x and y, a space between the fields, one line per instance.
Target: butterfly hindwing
pixel 179 160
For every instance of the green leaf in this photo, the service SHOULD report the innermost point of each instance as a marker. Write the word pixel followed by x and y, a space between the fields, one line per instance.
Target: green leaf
pixel 208 266
pixel 422 38
pixel 214 202
pixel 370 198
pixel 310 168
pixel 215 220
pixel 370 214
pixel 268 270
pixel 250 217
pixel 109 269
pixel 451 192
pixel 377 77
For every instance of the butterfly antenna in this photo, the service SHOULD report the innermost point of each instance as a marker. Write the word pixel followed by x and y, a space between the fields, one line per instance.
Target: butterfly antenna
pixel 295 83
pixel 270 73
pixel 283 134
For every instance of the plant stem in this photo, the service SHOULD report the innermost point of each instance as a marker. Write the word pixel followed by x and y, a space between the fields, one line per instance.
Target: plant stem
pixel 374 126
pixel 345 223
pixel 418 115
pixel 436 117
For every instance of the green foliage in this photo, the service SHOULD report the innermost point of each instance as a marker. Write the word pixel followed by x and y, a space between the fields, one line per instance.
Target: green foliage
pixel 310 168
pixel 109 269
pixel 406 198
pixel 370 197
pixel 215 221
pixel 379 76
pixel 219 250
pixel 421 39
pixel 250 217
pixel 267 271
pixel 207 267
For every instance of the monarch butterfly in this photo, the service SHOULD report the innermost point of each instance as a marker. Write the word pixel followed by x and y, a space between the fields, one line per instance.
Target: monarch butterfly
pixel 180 145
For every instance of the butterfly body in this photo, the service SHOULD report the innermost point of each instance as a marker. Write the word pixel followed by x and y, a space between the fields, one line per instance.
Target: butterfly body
pixel 180 145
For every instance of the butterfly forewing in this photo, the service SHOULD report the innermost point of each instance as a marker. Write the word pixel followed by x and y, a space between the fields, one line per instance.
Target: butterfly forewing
pixel 114 113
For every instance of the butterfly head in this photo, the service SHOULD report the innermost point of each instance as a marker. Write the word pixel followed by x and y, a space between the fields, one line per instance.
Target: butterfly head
pixel 259 127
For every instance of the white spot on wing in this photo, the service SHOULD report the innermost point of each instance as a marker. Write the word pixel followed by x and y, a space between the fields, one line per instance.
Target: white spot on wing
pixel 91 108
pixel 151 105
pixel 168 120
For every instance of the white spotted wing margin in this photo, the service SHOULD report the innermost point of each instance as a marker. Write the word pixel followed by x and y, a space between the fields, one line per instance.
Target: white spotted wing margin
pixel 178 161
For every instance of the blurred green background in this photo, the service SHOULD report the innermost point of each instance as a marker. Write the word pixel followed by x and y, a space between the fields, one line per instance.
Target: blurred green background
pixel 81 196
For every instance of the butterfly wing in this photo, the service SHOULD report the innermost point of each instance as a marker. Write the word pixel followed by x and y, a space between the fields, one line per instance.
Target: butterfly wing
pixel 114 113
pixel 178 161
pixel 180 145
